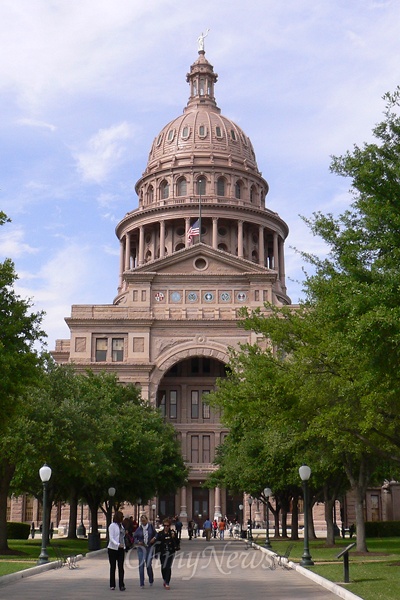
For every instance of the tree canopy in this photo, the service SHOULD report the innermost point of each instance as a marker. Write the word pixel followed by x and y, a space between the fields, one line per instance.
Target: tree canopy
pixel 325 390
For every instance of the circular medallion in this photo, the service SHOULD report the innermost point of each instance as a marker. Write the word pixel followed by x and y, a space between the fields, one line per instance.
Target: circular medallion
pixel 241 296
pixel 208 296
pixel 225 296
pixel 159 296
pixel 192 296
pixel 175 297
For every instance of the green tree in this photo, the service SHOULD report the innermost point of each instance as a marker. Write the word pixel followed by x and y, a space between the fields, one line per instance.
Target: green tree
pixel 20 368
pixel 96 433
pixel 341 348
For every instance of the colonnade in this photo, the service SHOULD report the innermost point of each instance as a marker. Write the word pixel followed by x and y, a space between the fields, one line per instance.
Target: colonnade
pixel 129 259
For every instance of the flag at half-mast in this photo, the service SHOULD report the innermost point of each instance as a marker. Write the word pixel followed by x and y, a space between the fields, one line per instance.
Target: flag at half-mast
pixel 193 231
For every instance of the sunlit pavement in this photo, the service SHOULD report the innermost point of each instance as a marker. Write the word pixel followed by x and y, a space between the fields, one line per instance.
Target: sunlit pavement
pixel 201 570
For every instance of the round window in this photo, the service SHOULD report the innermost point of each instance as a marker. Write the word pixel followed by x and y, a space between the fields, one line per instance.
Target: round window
pixel 200 264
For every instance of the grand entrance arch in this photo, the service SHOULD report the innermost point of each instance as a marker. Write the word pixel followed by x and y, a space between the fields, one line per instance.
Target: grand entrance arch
pixel 182 398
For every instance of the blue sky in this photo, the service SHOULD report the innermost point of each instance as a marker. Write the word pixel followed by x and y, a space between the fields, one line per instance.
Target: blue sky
pixel 86 85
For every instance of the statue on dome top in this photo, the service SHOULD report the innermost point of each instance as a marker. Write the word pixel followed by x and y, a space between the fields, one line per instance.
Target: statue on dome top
pixel 200 40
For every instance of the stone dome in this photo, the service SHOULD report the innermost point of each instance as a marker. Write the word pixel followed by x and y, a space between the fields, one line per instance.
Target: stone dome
pixel 202 133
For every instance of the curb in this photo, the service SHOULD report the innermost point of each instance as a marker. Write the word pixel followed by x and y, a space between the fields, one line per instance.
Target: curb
pixel 54 564
pixel 325 583
pixel 28 572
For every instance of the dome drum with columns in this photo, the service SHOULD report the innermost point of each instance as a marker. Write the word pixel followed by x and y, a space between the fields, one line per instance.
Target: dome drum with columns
pixel 176 311
pixel 202 160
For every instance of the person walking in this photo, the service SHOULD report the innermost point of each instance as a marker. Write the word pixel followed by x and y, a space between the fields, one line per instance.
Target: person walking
pixel 144 537
pixel 207 526
pixel 190 529
pixel 116 550
pixel 221 527
pixel 178 527
pixel 166 546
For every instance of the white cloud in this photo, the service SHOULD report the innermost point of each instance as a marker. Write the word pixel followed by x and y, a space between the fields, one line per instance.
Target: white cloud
pixel 36 123
pixel 104 152
pixel 12 244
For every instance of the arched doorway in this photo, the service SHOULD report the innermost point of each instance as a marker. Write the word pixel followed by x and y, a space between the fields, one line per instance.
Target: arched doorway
pixel 182 400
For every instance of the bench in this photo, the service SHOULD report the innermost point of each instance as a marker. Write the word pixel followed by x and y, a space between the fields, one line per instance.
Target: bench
pixel 283 559
pixel 64 559
pixel 251 541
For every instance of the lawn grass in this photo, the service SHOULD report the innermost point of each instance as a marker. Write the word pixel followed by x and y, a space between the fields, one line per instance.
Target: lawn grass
pixel 373 576
pixel 25 553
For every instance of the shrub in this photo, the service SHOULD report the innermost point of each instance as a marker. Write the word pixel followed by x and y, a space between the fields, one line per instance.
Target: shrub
pixel 382 528
pixel 17 531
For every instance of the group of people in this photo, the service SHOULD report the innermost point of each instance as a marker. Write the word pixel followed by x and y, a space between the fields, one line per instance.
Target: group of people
pixel 148 541
pixel 215 528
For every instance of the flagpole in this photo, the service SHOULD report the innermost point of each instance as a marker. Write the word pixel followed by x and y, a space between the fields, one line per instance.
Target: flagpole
pixel 200 181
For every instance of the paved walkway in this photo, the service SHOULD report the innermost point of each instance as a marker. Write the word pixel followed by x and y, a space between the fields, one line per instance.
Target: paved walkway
pixel 201 571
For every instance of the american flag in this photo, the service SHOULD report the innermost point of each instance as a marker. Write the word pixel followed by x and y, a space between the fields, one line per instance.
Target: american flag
pixel 194 230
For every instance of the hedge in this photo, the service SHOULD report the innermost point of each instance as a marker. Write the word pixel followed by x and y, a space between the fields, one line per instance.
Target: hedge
pixel 382 528
pixel 18 531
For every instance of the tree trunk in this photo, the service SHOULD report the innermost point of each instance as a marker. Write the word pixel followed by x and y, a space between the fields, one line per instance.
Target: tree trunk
pixel 295 519
pixel 311 527
pixel 276 521
pixel 359 475
pixel 94 516
pixel 360 523
pixel 73 514
pixel 6 475
pixel 330 527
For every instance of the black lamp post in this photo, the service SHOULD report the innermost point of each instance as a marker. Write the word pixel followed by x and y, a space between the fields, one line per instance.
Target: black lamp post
pixel 241 519
pixel 250 502
pixel 81 530
pixel 154 506
pixel 267 494
pixel 305 473
pixel 139 504
pixel 45 474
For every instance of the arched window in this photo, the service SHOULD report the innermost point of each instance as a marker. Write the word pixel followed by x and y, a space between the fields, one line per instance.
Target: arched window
pixel 238 190
pixel 201 186
pixel 179 246
pixel 150 194
pixel 182 187
pixel 164 189
pixel 253 194
pixel 254 256
pixel 147 258
pixel 221 186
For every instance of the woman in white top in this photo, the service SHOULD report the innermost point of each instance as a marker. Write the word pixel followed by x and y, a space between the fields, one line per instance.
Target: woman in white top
pixel 116 550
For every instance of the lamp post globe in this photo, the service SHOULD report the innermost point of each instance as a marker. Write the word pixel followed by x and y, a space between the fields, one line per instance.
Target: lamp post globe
pixel 267 494
pixel 45 474
pixel 241 519
pixel 305 473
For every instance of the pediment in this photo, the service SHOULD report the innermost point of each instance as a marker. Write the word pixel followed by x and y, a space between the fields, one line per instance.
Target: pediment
pixel 201 259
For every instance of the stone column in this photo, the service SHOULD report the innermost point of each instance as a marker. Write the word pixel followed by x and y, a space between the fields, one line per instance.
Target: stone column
pixel 261 247
pixel 121 262
pixel 141 245
pixel 240 239
pixel 127 251
pixel 215 232
pixel 276 253
pixel 162 239
pixel 187 227
pixel 217 503
pixel 282 263
pixel 183 507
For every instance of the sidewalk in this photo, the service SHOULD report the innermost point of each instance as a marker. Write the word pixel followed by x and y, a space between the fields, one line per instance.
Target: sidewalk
pixel 201 570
